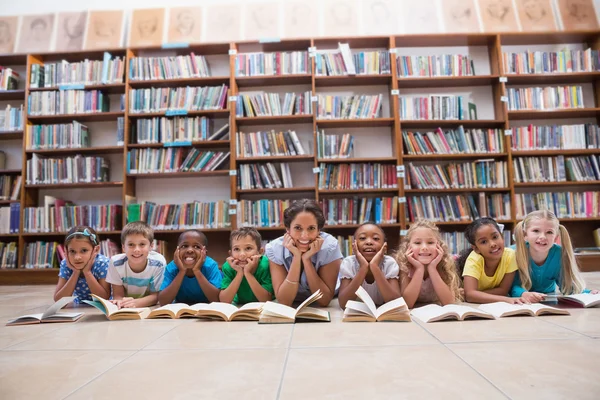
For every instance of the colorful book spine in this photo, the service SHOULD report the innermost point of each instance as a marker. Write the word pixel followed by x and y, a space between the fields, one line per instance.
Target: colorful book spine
pixel 147 161
pixel 11 118
pixel 546 98
pixel 171 130
pixel 269 64
pixel 161 68
pixel 181 98
pixel 349 107
pixel 52 218
pixel 261 213
pixel 434 65
pixel 334 146
pixel 357 176
pixel 67 102
pixel 436 107
pixel 196 215
pixel 468 175
pixel 271 104
pixel 562 204
pixel 261 144
pixel 264 176
pixel 555 137
pixel 8 255
pixel 381 210
pixel 548 62
pixel 41 255
pixel 453 141
pixel 60 136
pixel 459 207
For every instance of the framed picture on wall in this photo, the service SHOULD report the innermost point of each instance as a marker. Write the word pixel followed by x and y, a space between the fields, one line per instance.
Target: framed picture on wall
pixel 146 27
pixel 105 29
pixel 185 25
pixel 70 31
pixel 8 34
pixel 35 34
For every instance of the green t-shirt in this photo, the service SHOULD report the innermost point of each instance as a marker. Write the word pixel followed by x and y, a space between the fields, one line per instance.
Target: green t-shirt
pixel 245 294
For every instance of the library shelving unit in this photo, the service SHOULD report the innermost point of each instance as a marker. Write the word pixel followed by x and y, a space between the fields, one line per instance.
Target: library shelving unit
pixel 378 140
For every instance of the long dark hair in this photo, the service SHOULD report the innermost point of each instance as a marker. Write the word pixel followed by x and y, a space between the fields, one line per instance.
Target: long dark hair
pixel 304 205
pixel 470 234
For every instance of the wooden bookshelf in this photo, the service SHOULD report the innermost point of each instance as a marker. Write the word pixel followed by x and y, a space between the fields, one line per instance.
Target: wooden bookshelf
pixel 500 119
pixel 200 144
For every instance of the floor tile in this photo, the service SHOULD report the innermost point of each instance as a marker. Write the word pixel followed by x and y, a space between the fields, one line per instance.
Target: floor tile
pixel 584 321
pixel 95 332
pixel 12 335
pixel 511 328
pixel 342 334
pixel 195 334
pixel 552 369
pixel 52 374
pixel 381 373
pixel 191 374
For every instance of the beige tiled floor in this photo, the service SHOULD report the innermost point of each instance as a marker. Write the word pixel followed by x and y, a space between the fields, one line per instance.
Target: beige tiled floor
pixel 529 358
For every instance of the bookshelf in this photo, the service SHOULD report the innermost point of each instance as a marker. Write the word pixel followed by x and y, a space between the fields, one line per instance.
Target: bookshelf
pixel 377 140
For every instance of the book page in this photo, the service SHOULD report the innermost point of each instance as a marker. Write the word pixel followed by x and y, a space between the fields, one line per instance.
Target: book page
pixel 312 311
pixel 62 316
pixel 398 304
pixel 225 308
pixel 57 306
pixel 501 308
pixel 585 298
pixel 280 309
pixel 364 296
pixel 314 297
pixel 537 308
pixel 428 312
pixel 462 310
pixel 362 308
pixel 252 306
pixel 109 308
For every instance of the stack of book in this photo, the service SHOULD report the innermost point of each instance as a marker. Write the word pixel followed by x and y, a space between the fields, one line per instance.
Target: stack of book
pixel 60 136
pixel 456 141
pixel 264 176
pixel 280 63
pixel 67 102
pixel 260 144
pixel 76 169
pixel 196 215
pixel 261 213
pixel 159 68
pixel 437 65
pixel 147 161
pixel 544 62
pixel 359 210
pixel 357 176
pixel 334 146
pixel 547 98
pixel 181 98
pixel 349 107
pixel 270 104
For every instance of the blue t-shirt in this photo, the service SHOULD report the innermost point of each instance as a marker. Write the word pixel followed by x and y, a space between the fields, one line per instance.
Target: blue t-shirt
pixel 190 291
pixel 82 290
pixel 545 277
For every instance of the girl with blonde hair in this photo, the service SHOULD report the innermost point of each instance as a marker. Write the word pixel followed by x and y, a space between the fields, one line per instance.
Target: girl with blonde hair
pixel 427 270
pixel 544 265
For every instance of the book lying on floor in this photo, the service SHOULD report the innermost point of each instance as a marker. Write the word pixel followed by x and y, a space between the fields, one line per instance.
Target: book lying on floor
pixel 395 310
pixel 584 299
pixel 50 315
pixel 501 309
pixel 113 312
pixel 275 313
pixel 435 313
pixel 216 310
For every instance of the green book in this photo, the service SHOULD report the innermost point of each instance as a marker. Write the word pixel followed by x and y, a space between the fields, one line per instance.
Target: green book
pixel 134 212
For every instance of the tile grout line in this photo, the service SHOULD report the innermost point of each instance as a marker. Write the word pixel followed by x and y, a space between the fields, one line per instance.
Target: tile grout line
pixel 466 363
pixel 569 329
pixel 287 354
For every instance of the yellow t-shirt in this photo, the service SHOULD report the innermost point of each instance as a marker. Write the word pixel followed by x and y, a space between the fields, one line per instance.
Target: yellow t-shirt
pixel 474 266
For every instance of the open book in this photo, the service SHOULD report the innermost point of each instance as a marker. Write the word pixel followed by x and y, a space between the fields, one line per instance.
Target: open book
pixel 50 315
pixel 583 300
pixel 113 313
pixel 218 311
pixel 501 309
pixel 395 310
pixel 275 313
pixel 435 313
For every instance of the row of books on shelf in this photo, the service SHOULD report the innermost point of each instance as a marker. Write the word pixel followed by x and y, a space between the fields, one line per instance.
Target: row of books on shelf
pixel 65 136
pixel 335 63
pixel 10 187
pixel 264 176
pixel 450 208
pixel 9 78
pixel 86 72
pixel 435 65
pixel 9 218
pixel 545 98
pixel 68 102
pixel 144 161
pixel 556 169
pixel 172 67
pixel 57 215
pixel 349 107
pixel 201 215
pixel 334 146
pixel 438 107
pixel 357 176
pixel 453 141
pixel 8 255
pixel 562 204
pixel 268 143
pixel 178 100
pixel 554 137
pixel 269 64
pixel 381 210
pixel 271 104
pixel 547 62
pixel 11 118
pixel 343 56
pixel 176 131
pixel 467 175
pixel 71 169
pixel 261 213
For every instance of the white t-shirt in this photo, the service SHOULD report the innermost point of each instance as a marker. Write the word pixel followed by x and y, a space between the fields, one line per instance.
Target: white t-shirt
pixel 137 284
pixel 389 266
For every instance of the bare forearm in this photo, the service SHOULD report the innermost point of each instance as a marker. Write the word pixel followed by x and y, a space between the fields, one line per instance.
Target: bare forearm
pixel 167 295
pixel 315 283
pixel 349 292
pixel 288 290
pixel 477 296
pixel 211 292
pixel 227 295
pixel 499 291
pixel 260 292
pixel 147 301
pixel 413 289
pixel 68 288
pixel 96 287
pixel 443 292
